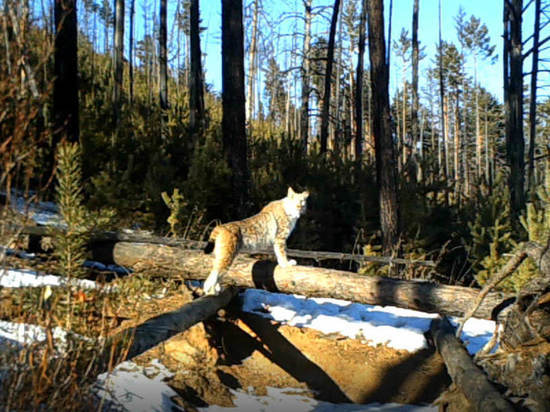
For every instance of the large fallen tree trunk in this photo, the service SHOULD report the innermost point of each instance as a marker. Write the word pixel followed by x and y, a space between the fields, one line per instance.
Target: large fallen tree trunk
pixel 472 382
pixel 111 236
pixel 304 280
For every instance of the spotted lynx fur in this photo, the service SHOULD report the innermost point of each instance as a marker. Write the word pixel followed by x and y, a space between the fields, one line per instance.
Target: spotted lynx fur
pixel 269 228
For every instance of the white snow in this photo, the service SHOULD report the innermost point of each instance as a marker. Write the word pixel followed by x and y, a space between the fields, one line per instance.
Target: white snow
pixel 24 334
pixel 288 400
pixel 135 388
pixel 18 278
pixel 396 327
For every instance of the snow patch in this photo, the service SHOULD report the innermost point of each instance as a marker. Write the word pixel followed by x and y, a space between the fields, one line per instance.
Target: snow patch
pixel 288 400
pixel 398 328
pixel 130 387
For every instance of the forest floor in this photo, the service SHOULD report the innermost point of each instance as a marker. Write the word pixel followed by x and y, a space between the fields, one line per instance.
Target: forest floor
pixel 244 351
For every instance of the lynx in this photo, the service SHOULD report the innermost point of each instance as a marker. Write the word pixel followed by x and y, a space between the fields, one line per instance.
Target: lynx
pixel 269 228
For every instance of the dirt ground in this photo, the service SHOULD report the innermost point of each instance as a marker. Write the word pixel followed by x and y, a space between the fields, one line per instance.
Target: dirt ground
pixel 239 350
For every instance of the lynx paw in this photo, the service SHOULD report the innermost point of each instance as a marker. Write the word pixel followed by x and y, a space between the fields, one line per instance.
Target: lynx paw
pixel 290 262
pixel 211 285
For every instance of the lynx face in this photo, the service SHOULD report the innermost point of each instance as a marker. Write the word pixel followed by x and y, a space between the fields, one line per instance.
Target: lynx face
pixel 295 203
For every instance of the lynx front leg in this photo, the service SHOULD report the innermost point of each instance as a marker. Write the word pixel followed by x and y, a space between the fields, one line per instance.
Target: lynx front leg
pixel 279 247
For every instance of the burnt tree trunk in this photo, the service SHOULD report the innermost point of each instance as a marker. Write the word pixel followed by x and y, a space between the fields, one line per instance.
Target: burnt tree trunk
pixel 233 102
pixel 515 144
pixel 65 92
pixel 381 130
pixel 325 114
pixel 304 280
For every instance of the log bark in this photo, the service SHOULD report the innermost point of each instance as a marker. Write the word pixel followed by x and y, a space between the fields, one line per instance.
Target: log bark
pixel 109 236
pixel 465 374
pixel 304 280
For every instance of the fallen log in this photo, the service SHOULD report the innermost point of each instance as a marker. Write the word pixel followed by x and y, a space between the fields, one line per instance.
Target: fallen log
pixel 473 383
pixel 134 341
pixel 304 280
pixel 111 236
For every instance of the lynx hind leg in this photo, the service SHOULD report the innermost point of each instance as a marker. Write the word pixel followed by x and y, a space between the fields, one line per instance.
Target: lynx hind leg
pixel 225 250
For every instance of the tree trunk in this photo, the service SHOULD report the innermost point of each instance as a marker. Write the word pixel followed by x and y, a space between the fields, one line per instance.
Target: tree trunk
pixel 515 144
pixel 163 69
pixel 325 113
pixel 250 104
pixel 359 83
pixel 465 374
pixel 233 102
pixel 304 280
pixel 442 152
pixel 196 89
pixel 381 129
pixel 415 60
pixel 533 99
pixel 304 112
pixel 118 63
pixel 131 50
pixel 65 93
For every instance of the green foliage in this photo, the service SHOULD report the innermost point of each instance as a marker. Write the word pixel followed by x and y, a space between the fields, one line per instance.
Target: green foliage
pixel 70 247
pixel 493 241
pixel 182 223
pixel 71 240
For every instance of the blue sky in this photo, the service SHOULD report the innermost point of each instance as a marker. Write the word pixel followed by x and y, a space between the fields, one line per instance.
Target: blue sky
pixel 489 11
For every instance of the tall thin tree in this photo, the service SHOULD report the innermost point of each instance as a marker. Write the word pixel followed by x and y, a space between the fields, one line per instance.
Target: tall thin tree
pixel 533 98
pixel 163 67
pixel 325 113
pixel 306 65
pixel 233 102
pixel 515 144
pixel 252 67
pixel 196 88
pixel 359 83
pixel 415 60
pixel 381 129
pixel 118 63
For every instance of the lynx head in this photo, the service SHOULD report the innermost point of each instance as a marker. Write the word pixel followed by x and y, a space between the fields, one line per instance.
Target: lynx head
pixel 295 203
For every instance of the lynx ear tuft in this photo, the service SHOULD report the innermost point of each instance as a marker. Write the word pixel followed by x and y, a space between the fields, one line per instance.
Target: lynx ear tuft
pixel 290 192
